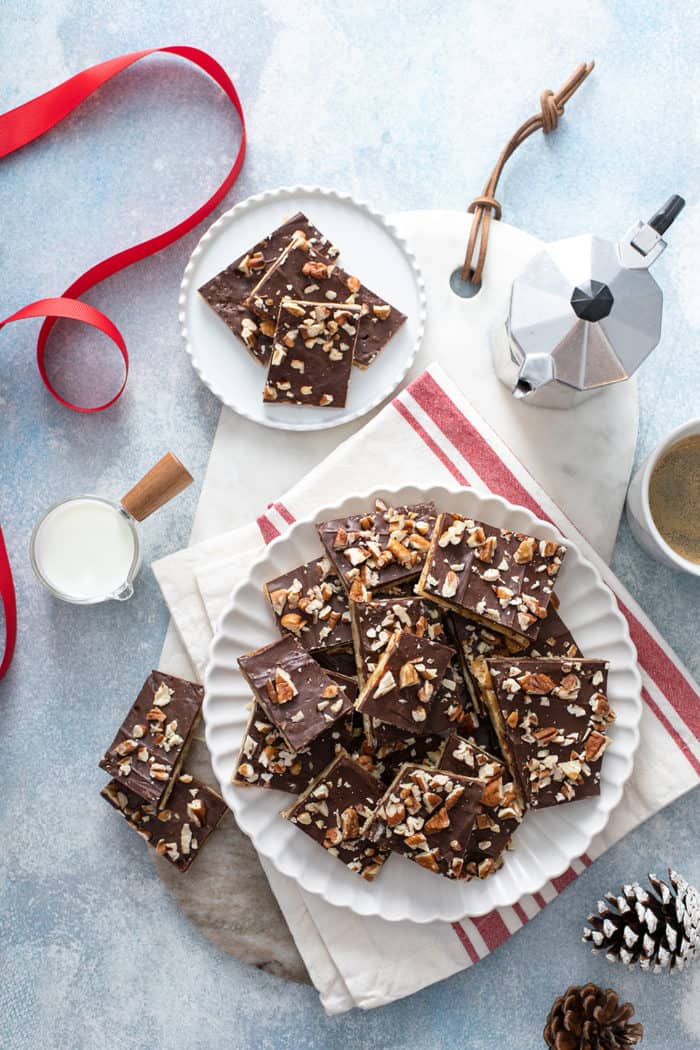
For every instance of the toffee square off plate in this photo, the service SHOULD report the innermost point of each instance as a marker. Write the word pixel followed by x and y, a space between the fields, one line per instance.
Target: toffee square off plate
pixel 147 752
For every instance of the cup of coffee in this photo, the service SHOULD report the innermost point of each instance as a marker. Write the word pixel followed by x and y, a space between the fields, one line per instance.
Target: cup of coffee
pixel 663 500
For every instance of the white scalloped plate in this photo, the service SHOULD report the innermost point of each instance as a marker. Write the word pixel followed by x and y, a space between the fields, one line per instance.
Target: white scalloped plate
pixel 547 841
pixel 369 246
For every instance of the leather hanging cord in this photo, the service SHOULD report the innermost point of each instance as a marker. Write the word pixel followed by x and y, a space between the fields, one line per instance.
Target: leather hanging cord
pixel 486 206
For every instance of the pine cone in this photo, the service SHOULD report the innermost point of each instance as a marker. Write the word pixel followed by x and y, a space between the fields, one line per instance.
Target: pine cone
pixel 659 930
pixel 587 1018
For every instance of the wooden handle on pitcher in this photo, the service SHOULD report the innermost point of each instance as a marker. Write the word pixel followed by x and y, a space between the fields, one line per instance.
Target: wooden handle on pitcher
pixel 156 488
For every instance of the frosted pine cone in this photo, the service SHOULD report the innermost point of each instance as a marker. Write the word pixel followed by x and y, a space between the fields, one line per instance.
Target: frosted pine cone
pixel 658 929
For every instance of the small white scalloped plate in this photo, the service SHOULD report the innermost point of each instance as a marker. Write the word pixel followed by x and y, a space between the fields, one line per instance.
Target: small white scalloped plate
pixel 546 842
pixel 369 246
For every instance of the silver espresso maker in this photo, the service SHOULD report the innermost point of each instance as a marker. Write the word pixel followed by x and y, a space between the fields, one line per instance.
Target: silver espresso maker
pixel 583 314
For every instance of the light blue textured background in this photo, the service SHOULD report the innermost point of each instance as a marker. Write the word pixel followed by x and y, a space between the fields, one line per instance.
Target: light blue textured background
pixel 405 105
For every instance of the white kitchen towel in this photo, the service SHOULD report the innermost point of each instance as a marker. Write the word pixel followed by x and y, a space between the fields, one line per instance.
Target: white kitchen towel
pixel 429 434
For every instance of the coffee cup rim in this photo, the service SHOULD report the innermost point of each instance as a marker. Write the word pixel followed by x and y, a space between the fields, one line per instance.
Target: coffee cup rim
pixel 687 429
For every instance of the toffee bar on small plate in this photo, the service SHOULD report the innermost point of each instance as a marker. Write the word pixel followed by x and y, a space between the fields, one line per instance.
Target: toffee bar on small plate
pixel 179 831
pixel 301 272
pixel 301 699
pixel 226 292
pixel 501 808
pixel 333 810
pixel 551 717
pixel 151 742
pixel 404 685
pixel 500 578
pixel 311 603
pixel 477 643
pixel 266 761
pixel 312 353
pixel 377 549
pixel 428 816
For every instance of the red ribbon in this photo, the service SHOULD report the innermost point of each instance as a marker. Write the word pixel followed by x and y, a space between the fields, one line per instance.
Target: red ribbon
pixel 28 122
pixel 7 597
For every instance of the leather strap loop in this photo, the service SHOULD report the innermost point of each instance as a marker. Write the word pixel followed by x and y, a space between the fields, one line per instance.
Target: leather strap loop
pixel 486 207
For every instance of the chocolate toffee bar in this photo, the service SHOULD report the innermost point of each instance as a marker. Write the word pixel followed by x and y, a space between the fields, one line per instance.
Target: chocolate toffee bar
pixel 404 685
pixel 500 578
pixel 226 292
pixel 374 624
pixel 300 272
pixel 378 549
pixel 551 717
pixel 333 810
pixel 301 699
pixel 312 352
pixel 149 747
pixel 501 809
pixel 266 761
pixel 477 643
pixel 428 816
pixel 179 831
pixel 311 603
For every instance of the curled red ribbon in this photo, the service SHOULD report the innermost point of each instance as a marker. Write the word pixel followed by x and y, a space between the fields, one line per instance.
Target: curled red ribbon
pixel 28 122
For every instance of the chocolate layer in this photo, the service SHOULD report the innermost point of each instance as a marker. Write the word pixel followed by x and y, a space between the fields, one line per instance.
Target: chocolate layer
pixel 501 810
pixel 179 831
pixel 148 749
pixel 378 549
pixel 428 815
pixel 226 292
pixel 311 603
pixel 333 810
pixel 500 578
pixel 551 717
pixel 300 698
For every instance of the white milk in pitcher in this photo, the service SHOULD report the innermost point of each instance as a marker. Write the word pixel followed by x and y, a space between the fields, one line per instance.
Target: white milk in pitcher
pixel 85 549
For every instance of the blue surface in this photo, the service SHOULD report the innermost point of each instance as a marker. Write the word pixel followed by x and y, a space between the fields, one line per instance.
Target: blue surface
pixel 405 105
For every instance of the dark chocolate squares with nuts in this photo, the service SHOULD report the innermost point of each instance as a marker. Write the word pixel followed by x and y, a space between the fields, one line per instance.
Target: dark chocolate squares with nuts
pixel 310 603
pixel 179 831
pixel 312 354
pixel 149 747
pixel 471 702
pixel 377 549
pixel 428 816
pixel 296 262
pixel 300 698
pixel 333 810
pixel 551 717
pixel 227 291
pixel 497 577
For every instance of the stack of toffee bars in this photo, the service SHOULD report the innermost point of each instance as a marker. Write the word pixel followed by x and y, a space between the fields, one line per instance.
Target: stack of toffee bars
pixel 301 316
pixel 170 809
pixel 424 693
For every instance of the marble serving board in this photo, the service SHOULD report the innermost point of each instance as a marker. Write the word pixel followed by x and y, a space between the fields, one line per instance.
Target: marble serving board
pixel 582 457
